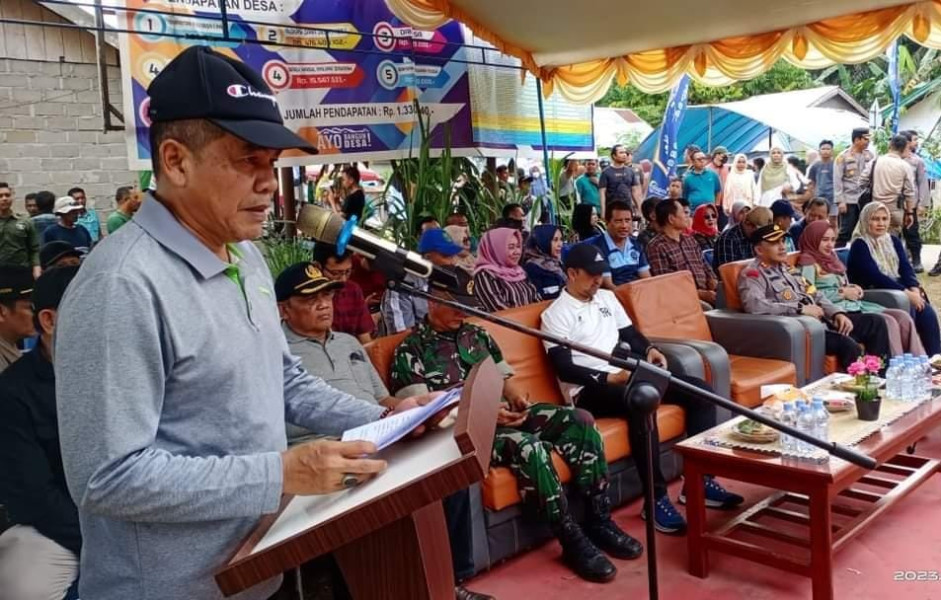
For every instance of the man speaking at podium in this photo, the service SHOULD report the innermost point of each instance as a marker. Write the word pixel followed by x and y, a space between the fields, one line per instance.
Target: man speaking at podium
pixel 174 377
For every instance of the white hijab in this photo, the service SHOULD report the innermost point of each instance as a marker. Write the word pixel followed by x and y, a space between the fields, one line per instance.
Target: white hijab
pixel 740 186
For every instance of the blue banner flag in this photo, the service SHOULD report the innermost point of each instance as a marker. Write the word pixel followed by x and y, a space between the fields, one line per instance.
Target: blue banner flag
pixel 894 84
pixel 664 163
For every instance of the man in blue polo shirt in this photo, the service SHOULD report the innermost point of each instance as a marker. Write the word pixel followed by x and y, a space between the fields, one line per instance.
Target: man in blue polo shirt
pixel 626 258
pixel 700 185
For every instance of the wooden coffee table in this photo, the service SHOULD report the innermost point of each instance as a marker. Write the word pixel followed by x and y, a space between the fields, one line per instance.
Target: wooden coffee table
pixel 821 506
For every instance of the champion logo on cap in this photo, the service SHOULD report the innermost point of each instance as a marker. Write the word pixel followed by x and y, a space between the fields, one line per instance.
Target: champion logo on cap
pixel 237 90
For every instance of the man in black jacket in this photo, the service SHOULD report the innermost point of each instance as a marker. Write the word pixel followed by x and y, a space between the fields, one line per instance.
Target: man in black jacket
pixel 586 314
pixel 39 554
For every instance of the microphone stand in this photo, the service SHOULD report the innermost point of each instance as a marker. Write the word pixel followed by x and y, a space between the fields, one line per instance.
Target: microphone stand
pixel 645 388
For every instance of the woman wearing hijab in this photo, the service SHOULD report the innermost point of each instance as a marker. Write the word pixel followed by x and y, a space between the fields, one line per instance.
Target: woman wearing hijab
pixel 737 214
pixel 705 226
pixel 499 280
pixel 461 236
pixel 585 222
pixel 877 260
pixel 542 261
pixel 775 180
pixel 822 269
pixel 739 185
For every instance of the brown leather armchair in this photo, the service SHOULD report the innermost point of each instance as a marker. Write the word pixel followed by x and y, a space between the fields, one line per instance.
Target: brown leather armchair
pixel 667 308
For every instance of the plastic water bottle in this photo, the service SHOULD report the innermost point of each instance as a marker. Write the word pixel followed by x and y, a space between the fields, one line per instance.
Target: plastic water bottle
pixel 926 384
pixel 788 417
pixel 893 380
pixel 821 421
pixel 908 377
pixel 805 424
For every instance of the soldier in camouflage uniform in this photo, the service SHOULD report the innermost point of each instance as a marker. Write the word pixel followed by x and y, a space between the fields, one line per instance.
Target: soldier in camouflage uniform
pixel 441 352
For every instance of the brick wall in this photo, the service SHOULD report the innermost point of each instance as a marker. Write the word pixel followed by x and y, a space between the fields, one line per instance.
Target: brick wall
pixel 51 131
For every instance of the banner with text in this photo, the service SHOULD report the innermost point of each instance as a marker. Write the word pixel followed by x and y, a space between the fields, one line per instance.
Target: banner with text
pixel 345 72
pixel 505 110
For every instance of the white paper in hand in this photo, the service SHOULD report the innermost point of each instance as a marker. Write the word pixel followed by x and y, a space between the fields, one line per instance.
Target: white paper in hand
pixel 385 432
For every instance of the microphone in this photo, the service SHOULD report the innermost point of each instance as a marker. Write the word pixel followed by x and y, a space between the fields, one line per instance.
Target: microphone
pixel 393 261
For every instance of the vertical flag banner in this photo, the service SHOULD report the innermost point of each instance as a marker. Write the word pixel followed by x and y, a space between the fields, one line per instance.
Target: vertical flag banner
pixel 664 163
pixel 348 92
pixel 894 84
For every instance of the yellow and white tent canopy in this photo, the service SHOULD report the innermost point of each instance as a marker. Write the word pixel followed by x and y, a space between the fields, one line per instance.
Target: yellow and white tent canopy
pixel 578 48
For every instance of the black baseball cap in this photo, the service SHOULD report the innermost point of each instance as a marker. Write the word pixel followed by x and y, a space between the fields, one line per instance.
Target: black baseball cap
pixel 768 233
pixel 16 283
pixel 51 286
pixel 54 251
pixel 203 84
pixel 302 279
pixel 587 257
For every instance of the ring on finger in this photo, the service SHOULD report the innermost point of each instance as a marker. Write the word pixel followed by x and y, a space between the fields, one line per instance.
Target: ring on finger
pixel 349 480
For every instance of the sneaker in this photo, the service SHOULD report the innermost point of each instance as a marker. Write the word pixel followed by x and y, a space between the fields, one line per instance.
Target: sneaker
pixel 935 270
pixel 667 519
pixel 716 495
pixel 462 593
pixel 918 268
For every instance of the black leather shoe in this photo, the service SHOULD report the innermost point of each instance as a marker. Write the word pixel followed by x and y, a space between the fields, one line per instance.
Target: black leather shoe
pixel 462 593
pixel 935 270
pixel 609 537
pixel 581 555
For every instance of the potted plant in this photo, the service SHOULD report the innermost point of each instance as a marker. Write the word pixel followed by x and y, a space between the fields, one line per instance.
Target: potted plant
pixel 868 401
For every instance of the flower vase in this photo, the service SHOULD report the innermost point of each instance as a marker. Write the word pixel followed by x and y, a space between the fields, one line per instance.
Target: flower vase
pixel 867 406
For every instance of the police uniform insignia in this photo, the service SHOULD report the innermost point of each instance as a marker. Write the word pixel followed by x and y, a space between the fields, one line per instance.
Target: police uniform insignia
pixel 313 272
pixel 787 295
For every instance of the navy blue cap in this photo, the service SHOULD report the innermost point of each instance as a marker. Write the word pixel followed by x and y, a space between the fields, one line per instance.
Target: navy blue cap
pixel 783 208
pixel 438 240
pixel 51 286
pixel 203 84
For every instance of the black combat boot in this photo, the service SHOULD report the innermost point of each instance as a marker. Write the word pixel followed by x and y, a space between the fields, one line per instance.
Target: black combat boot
pixel 602 530
pixel 581 555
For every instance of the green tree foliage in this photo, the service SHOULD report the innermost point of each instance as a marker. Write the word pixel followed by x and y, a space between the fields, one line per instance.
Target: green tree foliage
pixel 782 77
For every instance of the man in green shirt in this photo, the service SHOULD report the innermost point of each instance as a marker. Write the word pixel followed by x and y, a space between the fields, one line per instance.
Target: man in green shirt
pixel 128 201
pixel 19 244
pixel 587 185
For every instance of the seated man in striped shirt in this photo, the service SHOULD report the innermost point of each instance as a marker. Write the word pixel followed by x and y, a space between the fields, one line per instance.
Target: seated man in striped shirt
pixel 672 250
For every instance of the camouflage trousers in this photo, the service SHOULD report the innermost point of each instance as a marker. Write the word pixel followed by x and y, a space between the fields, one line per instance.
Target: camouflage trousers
pixel 525 450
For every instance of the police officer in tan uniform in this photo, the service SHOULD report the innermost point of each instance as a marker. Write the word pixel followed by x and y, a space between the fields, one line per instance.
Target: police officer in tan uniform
pixel 767 286
pixel 847 182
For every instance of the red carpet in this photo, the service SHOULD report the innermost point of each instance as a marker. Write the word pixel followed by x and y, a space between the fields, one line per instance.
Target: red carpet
pixel 906 537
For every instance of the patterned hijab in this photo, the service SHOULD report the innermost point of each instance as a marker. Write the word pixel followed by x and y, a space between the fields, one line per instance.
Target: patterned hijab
pixel 465 259
pixel 539 249
pixel 809 246
pixel 881 247
pixel 492 254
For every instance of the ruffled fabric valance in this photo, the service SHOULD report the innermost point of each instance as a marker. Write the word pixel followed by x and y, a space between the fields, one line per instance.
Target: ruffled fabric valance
pixel 852 38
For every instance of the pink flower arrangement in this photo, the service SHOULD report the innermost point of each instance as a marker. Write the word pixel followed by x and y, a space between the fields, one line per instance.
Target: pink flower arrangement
pixel 865 366
pixel 863 369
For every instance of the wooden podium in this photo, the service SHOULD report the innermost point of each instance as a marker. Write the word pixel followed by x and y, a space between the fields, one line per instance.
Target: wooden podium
pixel 389 534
